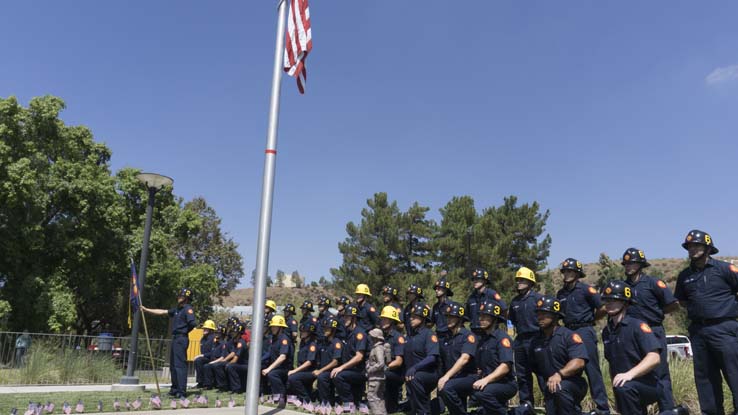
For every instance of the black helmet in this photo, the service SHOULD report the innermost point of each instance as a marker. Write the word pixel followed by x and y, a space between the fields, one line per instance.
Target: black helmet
pixel 390 290
pixel 455 309
pixel 697 236
pixel 493 309
pixel 551 305
pixel 479 273
pixel 420 310
pixel 351 310
pixel 635 255
pixel 415 289
pixel 232 321
pixel 324 301
pixel 289 308
pixel 617 290
pixel 239 328
pixel 443 283
pixel 343 300
pixel 222 330
pixel 307 305
pixel 572 264
pixel 186 293
pixel 309 326
pixel 330 323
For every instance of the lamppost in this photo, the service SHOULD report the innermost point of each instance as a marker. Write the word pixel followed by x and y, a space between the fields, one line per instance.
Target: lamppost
pixel 154 182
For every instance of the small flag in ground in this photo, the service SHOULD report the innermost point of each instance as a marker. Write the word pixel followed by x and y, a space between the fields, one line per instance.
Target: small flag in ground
pixel 136 405
pixel 99 406
pixel 80 407
pixel 155 401
pixel 298 41
pixel 173 404
pixel 185 403
pixel 218 403
pixel 128 405
pixel 231 403
pixel 67 408
pixel 116 405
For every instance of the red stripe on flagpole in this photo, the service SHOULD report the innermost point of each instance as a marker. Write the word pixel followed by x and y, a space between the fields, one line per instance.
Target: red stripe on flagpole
pixel 267 151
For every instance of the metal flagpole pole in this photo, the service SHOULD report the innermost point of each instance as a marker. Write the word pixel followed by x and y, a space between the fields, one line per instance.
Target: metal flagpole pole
pixel 265 222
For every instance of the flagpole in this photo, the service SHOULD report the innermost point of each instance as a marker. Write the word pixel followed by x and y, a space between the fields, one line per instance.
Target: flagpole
pixel 265 222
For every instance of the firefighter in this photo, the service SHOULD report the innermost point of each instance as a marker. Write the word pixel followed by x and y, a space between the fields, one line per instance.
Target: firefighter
pixel 292 326
pixel 331 356
pixel 442 287
pixel 208 343
pixel 458 360
pixel 480 294
pixel 300 379
pixel 413 295
pixel 281 353
pixel 394 376
pixel 421 360
pixel 522 314
pixel 237 366
pixel 368 317
pixel 350 377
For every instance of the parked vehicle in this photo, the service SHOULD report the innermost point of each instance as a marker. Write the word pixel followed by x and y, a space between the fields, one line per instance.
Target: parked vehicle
pixel 678 346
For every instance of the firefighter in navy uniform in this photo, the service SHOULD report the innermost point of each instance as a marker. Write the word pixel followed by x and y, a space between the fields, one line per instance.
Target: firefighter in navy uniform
pixel 289 312
pixel 220 349
pixel 443 290
pixel 281 353
pixel 324 305
pixel 389 320
pixel 522 314
pixel 413 295
pixel 341 303
pixel 421 360
pixel 494 359
pixel 480 294
pixel 558 357
pixel 707 289
pixel 330 357
pixel 368 316
pixel 238 365
pixel 652 299
pixel 183 321
pixel 207 343
pixel 458 360
pixel 350 377
pixel 270 309
pixel 390 295
pixel 300 379
pixel 307 312
pixel 582 307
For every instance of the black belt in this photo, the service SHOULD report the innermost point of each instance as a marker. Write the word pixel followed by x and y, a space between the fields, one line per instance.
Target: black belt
pixel 713 321
pixel 575 326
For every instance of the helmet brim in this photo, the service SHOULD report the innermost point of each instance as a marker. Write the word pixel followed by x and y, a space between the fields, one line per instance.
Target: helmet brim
pixel 713 248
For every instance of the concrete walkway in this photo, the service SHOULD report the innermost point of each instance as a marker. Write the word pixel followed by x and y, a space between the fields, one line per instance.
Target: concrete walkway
pixel 73 388
pixel 239 410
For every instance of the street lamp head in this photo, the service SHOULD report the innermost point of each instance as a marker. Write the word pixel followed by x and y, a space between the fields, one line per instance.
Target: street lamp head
pixel 154 181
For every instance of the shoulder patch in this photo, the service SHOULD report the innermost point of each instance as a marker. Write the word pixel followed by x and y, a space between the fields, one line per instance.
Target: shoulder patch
pixel 662 284
pixel 312 347
pixel 471 338
pixel 646 328
pixel 338 346
pixel 592 290
pixel 733 268
pixel 576 338
pixel 190 311
pixel 401 340
pixel 497 296
pixel 285 342
pixel 372 309
pixel 505 342
pixel 434 339
pixel 359 336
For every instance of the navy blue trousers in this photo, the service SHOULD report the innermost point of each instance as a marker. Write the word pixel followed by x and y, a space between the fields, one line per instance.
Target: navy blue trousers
pixel 523 373
pixel 301 384
pixel 178 363
pixel 493 398
pixel 568 400
pixel 663 388
pixel 350 386
pixel 326 389
pixel 715 349
pixel 455 392
pixel 634 397
pixel 592 369
pixel 419 389
pixel 237 376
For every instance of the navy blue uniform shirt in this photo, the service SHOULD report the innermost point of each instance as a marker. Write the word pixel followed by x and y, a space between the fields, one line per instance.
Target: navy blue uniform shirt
pixel 710 293
pixel 219 350
pixel 397 343
pixel 454 346
pixel 476 299
pixel 282 345
pixel 523 313
pixel 579 303
pixel 406 317
pixel 552 354
pixel 241 349
pixel 627 344
pixel 292 327
pixel 330 350
pixel 651 296
pixel 419 345
pixel 357 341
pixel 308 353
pixel 368 317
pixel 495 349
pixel 438 318
pixel 207 343
pixel 183 319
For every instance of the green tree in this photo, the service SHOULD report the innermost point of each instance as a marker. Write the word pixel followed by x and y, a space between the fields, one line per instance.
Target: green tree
pixel 608 270
pixel 453 241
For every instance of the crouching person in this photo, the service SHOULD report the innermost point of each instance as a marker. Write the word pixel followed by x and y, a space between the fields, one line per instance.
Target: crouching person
pixel 421 360
pixel 495 362
pixel 281 353
pixel 300 379
pixel 237 366
pixel 458 359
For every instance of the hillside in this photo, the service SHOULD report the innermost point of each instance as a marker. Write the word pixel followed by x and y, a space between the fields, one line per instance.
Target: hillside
pixel 244 296
pixel 670 267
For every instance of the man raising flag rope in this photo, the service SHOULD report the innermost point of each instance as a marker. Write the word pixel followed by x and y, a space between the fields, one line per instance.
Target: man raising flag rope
pixel 298 42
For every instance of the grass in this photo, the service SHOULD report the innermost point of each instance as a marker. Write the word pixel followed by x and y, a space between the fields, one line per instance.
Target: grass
pixel 49 364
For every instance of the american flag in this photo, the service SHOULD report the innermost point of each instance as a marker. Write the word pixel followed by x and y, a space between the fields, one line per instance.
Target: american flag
pixel 80 407
pixel 298 41
pixel 136 404
pixel 155 402
pixel 133 301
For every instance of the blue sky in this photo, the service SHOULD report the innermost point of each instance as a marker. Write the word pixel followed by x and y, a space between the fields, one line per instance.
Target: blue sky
pixel 619 117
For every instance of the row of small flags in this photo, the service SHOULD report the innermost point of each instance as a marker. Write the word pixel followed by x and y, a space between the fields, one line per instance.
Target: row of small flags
pixel 199 401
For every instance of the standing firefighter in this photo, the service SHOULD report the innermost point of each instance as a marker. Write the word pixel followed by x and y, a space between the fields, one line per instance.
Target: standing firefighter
pixel 522 314
pixel 652 299
pixel 183 321
pixel 442 288
pixel 413 295
pixel 708 290
pixel 494 360
pixel 390 298
pixel 559 355
pixel 421 360
pixel 368 317
pixel 583 307
pixel 480 295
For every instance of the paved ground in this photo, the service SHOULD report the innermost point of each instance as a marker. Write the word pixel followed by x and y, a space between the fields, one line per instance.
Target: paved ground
pixel 239 410
pixel 71 388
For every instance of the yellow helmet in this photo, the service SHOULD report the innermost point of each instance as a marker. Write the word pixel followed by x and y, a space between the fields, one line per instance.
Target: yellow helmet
pixel 271 304
pixel 526 274
pixel 363 289
pixel 209 324
pixel 278 321
pixel 391 313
